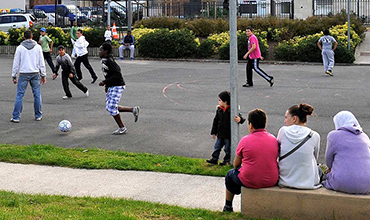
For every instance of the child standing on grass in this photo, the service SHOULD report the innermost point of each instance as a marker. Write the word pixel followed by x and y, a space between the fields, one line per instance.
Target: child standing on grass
pixel 221 129
pixel 114 86
pixel 68 72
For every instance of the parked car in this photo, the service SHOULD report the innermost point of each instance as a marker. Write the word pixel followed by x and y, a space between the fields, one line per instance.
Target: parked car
pixel 68 11
pixel 8 21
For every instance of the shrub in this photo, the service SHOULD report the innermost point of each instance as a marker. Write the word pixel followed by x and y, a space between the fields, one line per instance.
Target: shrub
pixel 205 49
pixel 305 48
pixel 95 36
pixel 3 37
pixel 56 34
pixel 203 27
pixel 139 32
pixel 168 44
pixel 16 35
pixel 160 22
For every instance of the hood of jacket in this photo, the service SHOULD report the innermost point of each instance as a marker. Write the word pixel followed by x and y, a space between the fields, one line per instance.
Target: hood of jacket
pixel 296 133
pixel 352 129
pixel 29 44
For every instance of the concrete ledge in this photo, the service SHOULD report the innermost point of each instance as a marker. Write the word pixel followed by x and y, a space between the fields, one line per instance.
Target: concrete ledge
pixel 276 202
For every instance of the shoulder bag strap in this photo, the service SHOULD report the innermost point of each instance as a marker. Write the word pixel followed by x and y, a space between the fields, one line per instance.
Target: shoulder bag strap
pixel 297 147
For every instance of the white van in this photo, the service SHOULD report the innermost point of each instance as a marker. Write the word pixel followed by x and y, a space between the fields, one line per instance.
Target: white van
pixel 8 21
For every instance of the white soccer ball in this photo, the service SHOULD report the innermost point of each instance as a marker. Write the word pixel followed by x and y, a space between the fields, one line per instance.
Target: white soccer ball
pixel 65 125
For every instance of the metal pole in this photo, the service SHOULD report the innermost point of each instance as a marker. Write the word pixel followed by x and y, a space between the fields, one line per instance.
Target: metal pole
pixel 56 13
pixel 233 78
pixel 108 14
pixel 349 25
pixel 129 16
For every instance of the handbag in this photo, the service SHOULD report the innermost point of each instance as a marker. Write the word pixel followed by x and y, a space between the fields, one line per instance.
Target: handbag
pixel 297 147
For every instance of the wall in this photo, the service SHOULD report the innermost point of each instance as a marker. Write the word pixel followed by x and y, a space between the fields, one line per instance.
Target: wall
pixel 13 4
pixel 302 9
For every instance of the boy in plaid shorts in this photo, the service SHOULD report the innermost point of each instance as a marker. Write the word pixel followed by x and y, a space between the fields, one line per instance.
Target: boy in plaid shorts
pixel 114 86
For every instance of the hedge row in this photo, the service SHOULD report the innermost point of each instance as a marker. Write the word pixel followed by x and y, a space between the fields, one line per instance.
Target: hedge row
pixel 305 48
pixel 278 29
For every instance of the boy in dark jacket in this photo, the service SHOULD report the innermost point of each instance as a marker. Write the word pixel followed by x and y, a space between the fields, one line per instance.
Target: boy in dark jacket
pixel 222 129
pixel 114 86
pixel 68 72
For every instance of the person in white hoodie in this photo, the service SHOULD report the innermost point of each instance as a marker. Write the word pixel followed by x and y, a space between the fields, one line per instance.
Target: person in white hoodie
pixel 29 63
pixel 298 169
pixel 80 50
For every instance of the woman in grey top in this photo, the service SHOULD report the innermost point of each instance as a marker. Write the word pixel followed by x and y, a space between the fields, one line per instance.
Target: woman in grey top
pixel 325 44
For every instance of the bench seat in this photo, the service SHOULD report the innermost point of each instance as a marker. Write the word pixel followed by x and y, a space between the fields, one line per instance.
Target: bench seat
pixel 276 202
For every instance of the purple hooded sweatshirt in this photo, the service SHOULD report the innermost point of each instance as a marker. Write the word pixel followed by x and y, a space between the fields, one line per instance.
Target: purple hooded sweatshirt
pixel 348 157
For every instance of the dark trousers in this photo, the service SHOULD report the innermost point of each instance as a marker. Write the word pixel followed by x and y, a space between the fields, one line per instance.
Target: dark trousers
pixel 253 64
pixel 85 60
pixel 74 80
pixel 47 57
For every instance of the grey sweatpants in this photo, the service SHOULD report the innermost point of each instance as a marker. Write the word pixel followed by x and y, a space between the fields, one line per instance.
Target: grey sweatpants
pixel 328 59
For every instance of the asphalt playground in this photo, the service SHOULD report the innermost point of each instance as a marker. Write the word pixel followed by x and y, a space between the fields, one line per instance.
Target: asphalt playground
pixel 177 104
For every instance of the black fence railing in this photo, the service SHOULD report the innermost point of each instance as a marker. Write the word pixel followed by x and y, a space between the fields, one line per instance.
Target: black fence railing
pixel 361 8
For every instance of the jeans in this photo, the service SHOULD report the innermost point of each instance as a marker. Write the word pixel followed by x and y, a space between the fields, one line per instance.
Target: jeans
pixel 23 80
pixel 220 142
pixel 124 47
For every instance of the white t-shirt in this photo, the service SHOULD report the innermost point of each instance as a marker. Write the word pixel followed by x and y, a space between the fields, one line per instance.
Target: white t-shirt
pixel 108 35
pixel 299 170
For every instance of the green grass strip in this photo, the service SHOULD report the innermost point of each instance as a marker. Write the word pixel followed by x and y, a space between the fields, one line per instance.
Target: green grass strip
pixel 24 206
pixel 93 158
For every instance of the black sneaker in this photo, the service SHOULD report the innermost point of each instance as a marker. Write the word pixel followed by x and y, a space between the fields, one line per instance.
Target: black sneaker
pixel 136 113
pixel 329 73
pixel 94 80
pixel 228 209
pixel 247 85
pixel 212 161
pixel 271 81
pixel 224 163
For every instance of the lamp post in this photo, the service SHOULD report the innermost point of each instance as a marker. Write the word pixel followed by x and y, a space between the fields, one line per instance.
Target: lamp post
pixel 233 78
pixel 349 25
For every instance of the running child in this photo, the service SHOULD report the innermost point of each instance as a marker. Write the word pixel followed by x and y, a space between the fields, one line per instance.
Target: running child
pixel 114 86
pixel 68 72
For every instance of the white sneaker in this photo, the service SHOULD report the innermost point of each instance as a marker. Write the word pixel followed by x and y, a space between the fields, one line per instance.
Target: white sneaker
pixel 14 120
pixel 38 119
pixel 87 93
pixel 122 130
pixel 136 113
pixel 66 97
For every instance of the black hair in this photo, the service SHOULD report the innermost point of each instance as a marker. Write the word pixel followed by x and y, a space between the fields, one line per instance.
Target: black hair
pixel 249 28
pixel 107 47
pixel 301 111
pixel 326 32
pixel 27 34
pixel 257 117
pixel 80 30
pixel 61 47
pixel 225 96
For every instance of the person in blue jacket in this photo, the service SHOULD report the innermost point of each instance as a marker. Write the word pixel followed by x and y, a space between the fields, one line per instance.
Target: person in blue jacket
pixel 128 43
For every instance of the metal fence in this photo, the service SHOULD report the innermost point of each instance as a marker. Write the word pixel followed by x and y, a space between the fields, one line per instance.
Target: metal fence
pixel 361 8
pixel 211 9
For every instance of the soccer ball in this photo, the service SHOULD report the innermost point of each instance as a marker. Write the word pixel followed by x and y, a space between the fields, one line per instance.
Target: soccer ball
pixel 65 125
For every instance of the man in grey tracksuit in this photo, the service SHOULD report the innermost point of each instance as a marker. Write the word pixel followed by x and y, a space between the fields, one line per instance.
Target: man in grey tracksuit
pixel 325 44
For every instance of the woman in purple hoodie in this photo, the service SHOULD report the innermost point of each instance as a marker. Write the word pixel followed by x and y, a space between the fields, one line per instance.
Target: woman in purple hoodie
pixel 348 156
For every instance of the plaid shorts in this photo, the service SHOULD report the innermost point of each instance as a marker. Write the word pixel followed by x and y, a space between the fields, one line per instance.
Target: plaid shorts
pixel 113 97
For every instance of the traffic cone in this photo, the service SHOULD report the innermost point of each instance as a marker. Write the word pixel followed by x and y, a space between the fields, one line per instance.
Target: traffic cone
pixel 114 30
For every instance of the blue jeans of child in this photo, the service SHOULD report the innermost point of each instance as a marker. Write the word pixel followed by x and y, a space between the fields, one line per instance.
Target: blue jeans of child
pixel 220 142
pixel 23 80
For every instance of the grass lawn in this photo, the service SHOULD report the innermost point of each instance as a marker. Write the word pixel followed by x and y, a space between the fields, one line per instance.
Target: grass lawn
pixel 107 159
pixel 22 206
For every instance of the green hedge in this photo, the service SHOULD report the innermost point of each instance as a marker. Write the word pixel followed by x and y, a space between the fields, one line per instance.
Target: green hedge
pixel 166 43
pixel 278 29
